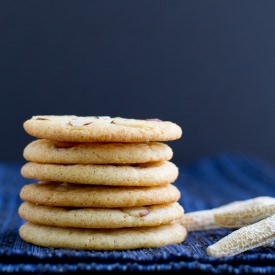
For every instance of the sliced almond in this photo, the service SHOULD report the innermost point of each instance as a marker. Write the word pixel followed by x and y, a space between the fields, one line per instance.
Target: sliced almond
pixel 78 122
pixel 136 211
pixel 61 145
pixel 153 119
pixel 103 117
pixel 41 118
pixel 132 123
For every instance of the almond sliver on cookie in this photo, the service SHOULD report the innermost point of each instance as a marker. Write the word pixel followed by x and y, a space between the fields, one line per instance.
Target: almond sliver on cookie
pixel 136 211
pixel 245 238
pixel 132 123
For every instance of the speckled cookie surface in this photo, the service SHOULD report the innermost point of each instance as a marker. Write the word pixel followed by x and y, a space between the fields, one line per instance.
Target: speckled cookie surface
pixel 103 239
pixel 148 174
pixel 101 217
pixel 101 129
pixel 82 195
pixel 48 151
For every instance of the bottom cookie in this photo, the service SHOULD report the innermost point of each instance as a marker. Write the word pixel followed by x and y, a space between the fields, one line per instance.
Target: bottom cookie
pixel 102 239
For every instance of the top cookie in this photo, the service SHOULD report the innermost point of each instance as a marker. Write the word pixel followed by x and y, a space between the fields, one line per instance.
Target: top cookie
pixel 101 129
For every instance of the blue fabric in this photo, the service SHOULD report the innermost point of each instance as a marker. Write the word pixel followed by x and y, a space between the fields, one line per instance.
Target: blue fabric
pixel 207 183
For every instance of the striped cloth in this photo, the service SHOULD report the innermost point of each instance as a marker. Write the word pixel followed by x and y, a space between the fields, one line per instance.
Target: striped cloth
pixel 210 182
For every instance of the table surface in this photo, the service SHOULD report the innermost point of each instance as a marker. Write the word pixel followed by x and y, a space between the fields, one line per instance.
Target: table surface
pixel 207 183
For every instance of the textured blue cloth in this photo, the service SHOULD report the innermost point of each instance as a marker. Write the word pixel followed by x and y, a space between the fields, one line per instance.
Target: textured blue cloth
pixel 208 183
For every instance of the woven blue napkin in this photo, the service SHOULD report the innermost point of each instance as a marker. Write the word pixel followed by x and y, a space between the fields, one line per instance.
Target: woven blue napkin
pixel 207 183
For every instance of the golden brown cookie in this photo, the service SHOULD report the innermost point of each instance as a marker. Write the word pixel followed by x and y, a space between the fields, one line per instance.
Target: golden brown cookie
pixel 103 239
pixel 48 151
pixel 147 174
pixel 83 195
pixel 101 129
pixel 152 215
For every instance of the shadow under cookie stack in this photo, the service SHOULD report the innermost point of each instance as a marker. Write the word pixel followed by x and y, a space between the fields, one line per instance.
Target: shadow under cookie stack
pixel 102 184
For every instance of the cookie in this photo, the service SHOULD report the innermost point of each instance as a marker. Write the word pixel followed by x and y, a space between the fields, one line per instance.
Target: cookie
pixel 148 174
pixel 48 151
pixel 153 215
pixel 82 195
pixel 101 129
pixel 103 239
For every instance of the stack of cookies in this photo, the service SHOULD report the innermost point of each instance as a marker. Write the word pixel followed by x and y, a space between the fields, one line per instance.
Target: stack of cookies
pixel 102 183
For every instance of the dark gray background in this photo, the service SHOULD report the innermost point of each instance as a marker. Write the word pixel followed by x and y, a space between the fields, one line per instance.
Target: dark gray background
pixel 207 65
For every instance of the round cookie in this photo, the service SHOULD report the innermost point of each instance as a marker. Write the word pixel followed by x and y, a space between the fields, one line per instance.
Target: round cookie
pixel 103 239
pixel 153 215
pixel 81 195
pixel 148 174
pixel 48 151
pixel 101 129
